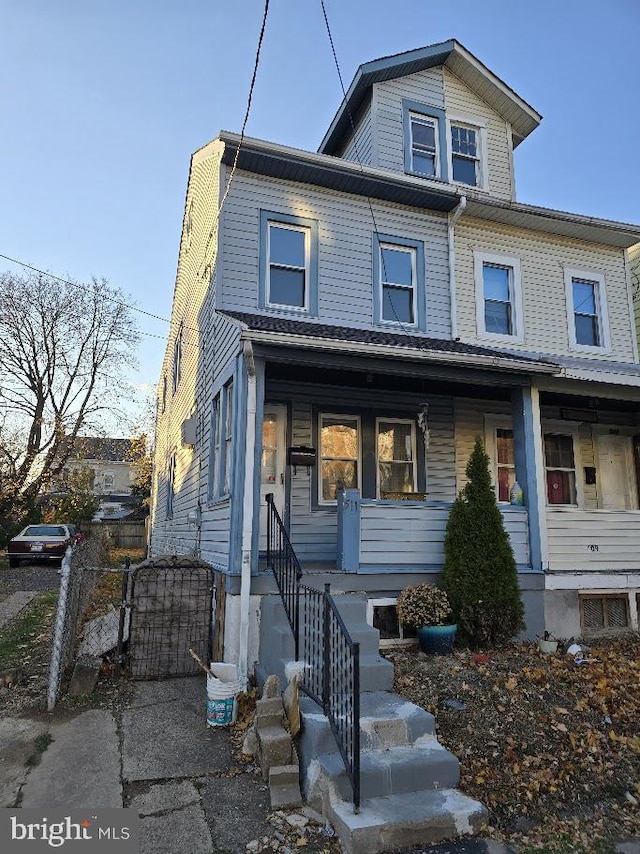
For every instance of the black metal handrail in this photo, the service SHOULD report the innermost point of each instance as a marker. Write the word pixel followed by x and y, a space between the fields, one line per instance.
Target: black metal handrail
pixel 282 560
pixel 331 675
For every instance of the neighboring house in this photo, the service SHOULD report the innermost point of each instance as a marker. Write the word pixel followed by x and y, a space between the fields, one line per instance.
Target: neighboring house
pixel 112 472
pixel 634 275
pixel 384 313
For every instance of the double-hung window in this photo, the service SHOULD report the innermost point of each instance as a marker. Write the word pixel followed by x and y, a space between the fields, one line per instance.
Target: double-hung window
pixel 221 444
pixel 339 455
pixel 398 283
pixel 396 455
pixel 465 155
pixel 214 448
pixel 586 311
pixel 560 468
pixel 425 157
pixel 288 263
pixel 498 297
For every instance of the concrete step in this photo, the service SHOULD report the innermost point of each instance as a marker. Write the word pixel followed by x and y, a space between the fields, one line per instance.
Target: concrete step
pixel 404 821
pixel 386 720
pixel 376 673
pixel 391 771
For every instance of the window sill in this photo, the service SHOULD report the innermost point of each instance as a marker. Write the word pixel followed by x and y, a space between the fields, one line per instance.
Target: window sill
pixel 500 339
pixel 215 502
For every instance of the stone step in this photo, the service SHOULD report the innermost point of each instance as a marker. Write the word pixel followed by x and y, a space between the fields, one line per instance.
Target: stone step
pixel 423 767
pixel 406 820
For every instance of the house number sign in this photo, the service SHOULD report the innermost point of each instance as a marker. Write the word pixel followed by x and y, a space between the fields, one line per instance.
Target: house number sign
pixel 592 547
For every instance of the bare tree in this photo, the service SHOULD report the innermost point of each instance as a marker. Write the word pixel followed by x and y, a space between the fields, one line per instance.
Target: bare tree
pixel 64 350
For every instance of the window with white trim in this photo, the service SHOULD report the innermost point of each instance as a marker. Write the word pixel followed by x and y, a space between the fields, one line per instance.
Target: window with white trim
pixel 163 398
pixel 339 455
pixel 288 256
pixel 586 310
pixel 465 155
pixel 382 615
pixel 396 455
pixel 108 480
pixel 424 148
pixel 560 468
pixel 498 297
pixel 397 271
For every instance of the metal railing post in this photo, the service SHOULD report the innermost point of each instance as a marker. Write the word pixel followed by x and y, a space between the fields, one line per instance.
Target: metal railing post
pixel 326 644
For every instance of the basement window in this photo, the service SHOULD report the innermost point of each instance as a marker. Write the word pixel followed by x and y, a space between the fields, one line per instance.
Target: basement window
pixel 599 613
pixel 382 615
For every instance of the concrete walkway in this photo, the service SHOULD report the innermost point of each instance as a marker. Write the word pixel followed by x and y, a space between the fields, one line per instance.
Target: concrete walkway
pixel 159 758
pixel 13 604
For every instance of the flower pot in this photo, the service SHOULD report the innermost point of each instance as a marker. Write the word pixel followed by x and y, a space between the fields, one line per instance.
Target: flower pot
pixel 437 640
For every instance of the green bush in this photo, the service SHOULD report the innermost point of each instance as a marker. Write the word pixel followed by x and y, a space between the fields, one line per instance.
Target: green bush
pixel 479 573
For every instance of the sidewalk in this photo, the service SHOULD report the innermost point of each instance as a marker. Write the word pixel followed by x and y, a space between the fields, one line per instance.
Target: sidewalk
pixel 159 758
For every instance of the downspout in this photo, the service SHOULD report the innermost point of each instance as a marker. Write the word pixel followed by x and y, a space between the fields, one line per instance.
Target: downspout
pixel 454 216
pixel 247 513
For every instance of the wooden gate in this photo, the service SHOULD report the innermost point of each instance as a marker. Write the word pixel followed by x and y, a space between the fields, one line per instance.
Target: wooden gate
pixel 170 602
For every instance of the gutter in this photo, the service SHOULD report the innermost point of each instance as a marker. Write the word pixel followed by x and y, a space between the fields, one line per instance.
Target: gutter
pixel 454 216
pixel 306 342
pixel 247 514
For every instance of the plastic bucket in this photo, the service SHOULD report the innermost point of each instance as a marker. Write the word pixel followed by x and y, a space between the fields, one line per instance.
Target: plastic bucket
pixel 222 691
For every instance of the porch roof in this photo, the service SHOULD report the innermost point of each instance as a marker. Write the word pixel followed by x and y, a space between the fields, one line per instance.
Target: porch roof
pixel 316 336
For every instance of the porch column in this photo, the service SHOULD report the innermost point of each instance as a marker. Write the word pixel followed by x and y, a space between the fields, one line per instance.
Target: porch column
pixel 348 557
pixel 259 365
pixel 529 458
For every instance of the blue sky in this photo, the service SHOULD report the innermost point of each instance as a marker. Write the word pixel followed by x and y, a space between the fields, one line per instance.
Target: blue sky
pixel 103 102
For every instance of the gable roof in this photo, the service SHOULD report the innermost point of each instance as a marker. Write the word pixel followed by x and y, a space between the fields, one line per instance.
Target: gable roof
pixel 101 448
pixel 507 103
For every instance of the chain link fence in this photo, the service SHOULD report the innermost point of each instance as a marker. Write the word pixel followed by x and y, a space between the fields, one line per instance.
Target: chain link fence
pixel 88 615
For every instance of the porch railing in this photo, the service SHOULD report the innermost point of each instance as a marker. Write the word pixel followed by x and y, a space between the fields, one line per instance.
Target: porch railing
pixel 331 673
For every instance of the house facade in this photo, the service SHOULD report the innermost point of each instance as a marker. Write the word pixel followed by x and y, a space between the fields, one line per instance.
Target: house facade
pixel 109 462
pixel 346 322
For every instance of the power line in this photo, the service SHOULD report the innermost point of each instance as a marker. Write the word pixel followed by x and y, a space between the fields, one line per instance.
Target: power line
pixel 242 132
pixel 359 159
pixel 106 297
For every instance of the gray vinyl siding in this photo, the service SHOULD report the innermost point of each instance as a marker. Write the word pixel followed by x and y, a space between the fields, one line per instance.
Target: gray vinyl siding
pixel 345 263
pixel 634 275
pixel 176 535
pixel 572 533
pixel 425 87
pixel 359 146
pixel 543 258
pixel 313 532
pixel 470 423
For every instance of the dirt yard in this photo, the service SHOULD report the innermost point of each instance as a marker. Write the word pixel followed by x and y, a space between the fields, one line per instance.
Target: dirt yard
pixel 550 746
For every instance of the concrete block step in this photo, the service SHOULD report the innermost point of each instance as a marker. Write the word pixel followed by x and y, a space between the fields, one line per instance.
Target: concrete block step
pixel 405 821
pixel 376 673
pixel 391 771
pixel 386 720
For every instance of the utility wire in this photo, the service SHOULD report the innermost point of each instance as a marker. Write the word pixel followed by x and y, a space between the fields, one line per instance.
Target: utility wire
pixel 357 153
pixel 242 133
pixel 106 297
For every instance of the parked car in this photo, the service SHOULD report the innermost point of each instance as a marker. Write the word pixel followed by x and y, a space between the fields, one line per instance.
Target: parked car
pixel 42 542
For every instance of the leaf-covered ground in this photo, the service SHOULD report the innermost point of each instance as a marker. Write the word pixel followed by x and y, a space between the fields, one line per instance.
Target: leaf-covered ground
pixel 550 746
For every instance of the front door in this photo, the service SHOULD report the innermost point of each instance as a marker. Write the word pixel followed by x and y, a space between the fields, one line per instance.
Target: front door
pixel 615 488
pixel 272 463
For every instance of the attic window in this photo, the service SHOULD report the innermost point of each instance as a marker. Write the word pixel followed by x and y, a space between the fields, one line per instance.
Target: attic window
pixel 424 145
pixel 465 159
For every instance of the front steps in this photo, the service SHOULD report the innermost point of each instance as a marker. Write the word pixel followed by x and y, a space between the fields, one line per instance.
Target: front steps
pixel 408 795
pixel 277 653
pixel 407 778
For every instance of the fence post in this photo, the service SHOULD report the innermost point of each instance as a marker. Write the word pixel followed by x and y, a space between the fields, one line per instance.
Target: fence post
pixel 356 727
pixel 58 630
pixel 124 607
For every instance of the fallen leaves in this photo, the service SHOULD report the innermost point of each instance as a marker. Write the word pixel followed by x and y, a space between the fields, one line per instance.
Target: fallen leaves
pixel 540 734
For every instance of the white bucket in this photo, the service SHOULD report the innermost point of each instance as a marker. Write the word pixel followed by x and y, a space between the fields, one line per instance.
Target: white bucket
pixel 222 691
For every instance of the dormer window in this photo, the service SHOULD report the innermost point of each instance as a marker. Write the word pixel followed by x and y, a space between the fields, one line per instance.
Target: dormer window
pixel 424 145
pixel 465 156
